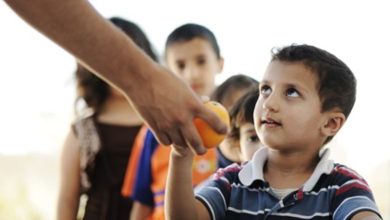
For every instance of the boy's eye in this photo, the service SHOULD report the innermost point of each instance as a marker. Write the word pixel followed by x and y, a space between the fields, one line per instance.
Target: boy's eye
pixel 291 92
pixel 265 90
pixel 201 61
pixel 180 65
pixel 252 138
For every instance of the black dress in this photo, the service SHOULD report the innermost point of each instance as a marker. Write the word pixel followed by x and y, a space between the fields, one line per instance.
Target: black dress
pixel 104 197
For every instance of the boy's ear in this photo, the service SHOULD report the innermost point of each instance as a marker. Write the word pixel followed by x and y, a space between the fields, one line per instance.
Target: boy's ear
pixel 221 63
pixel 334 121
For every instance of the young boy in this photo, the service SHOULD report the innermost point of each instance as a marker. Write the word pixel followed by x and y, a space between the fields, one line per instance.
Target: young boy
pixel 228 93
pixel 306 95
pixel 242 139
pixel 192 52
pixel 242 132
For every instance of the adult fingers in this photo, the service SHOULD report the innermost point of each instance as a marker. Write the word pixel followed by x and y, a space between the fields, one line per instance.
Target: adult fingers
pixel 177 138
pixel 212 119
pixel 162 137
pixel 192 138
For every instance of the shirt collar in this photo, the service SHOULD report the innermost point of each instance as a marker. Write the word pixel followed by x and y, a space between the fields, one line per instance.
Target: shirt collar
pixel 324 166
pixel 253 170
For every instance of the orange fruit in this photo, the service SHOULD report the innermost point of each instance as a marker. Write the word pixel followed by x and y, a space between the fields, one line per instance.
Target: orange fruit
pixel 209 137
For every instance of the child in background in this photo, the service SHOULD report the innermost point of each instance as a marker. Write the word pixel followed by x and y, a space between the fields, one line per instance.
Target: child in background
pixel 227 94
pixel 242 138
pixel 306 95
pixel 98 146
pixel 191 52
pixel 232 89
pixel 242 129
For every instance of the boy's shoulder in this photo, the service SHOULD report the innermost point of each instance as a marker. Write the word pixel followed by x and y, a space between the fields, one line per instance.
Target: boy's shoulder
pixel 342 171
pixel 343 175
pixel 341 181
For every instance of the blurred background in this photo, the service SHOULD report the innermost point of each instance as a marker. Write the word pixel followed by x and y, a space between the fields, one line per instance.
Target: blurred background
pixel 37 85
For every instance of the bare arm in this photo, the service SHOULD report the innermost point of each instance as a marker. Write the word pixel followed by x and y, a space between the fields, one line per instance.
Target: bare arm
pixel 161 98
pixel 366 215
pixel 68 200
pixel 140 211
pixel 179 198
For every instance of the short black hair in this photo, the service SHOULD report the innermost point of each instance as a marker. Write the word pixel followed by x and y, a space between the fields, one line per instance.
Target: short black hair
pixel 190 31
pixel 336 83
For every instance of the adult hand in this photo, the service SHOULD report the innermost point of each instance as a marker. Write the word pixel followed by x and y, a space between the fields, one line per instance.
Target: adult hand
pixel 169 106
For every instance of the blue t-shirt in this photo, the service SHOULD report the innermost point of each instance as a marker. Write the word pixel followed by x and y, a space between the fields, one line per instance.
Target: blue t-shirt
pixel 222 160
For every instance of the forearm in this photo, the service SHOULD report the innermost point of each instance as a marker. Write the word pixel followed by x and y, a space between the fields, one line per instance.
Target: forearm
pixel 78 28
pixel 180 201
pixel 164 101
pixel 67 210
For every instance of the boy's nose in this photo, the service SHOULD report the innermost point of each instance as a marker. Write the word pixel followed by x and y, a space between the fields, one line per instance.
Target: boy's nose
pixel 271 103
pixel 191 73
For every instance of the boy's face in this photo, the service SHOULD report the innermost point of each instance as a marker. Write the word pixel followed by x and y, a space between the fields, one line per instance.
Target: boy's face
pixel 249 141
pixel 196 62
pixel 288 112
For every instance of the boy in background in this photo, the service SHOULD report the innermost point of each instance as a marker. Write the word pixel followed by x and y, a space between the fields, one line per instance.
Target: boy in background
pixel 306 95
pixel 231 90
pixel 192 52
pixel 242 132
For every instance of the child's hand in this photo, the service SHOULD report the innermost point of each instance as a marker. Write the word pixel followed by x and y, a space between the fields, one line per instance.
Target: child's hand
pixel 182 152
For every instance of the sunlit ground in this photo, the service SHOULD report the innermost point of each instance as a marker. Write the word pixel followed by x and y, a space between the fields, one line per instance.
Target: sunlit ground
pixel 28 187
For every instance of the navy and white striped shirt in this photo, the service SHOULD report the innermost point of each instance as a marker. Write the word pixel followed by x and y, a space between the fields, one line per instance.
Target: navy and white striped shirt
pixel 332 192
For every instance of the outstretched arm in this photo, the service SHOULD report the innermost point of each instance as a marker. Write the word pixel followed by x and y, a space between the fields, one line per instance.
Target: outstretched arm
pixel 166 104
pixel 180 202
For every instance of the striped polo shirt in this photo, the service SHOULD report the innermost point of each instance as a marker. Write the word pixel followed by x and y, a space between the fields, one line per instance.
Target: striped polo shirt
pixel 333 191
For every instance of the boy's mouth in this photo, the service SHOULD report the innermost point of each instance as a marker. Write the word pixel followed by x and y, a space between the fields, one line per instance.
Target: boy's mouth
pixel 270 122
pixel 196 87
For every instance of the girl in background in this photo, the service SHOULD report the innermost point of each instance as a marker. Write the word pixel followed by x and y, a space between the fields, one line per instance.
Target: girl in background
pixel 97 148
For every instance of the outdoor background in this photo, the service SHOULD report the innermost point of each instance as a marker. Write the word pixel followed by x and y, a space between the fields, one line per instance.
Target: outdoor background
pixel 37 86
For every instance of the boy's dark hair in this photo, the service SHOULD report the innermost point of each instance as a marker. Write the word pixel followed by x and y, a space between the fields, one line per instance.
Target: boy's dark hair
pixel 242 112
pixel 232 84
pixel 94 90
pixel 336 83
pixel 190 31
